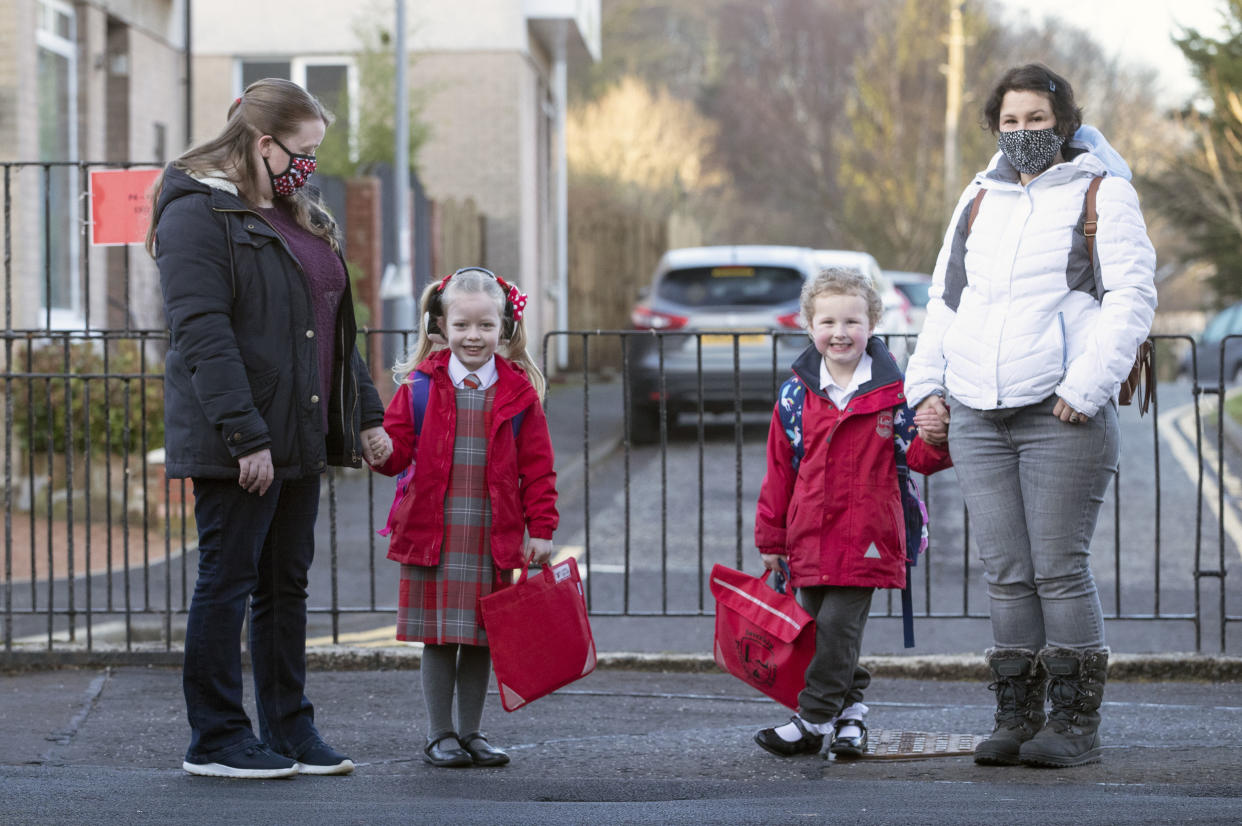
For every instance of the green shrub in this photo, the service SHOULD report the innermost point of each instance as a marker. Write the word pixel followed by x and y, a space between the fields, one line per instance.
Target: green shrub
pixel 39 402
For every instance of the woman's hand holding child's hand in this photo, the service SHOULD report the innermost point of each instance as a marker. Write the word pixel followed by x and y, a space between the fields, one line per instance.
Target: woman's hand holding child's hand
pixel 376 446
pixel 538 551
pixel 932 419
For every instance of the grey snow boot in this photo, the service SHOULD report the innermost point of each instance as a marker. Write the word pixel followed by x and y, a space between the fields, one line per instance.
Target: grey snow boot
pixel 1076 689
pixel 1018 680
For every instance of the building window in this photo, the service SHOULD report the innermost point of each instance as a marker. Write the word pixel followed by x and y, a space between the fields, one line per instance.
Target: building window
pixel 59 274
pixel 332 80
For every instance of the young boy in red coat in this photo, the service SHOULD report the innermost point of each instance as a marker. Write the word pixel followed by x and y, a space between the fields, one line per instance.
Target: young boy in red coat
pixel 836 519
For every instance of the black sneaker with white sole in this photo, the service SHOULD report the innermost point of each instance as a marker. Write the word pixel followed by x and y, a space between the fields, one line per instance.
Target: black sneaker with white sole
pixel 321 758
pixel 256 762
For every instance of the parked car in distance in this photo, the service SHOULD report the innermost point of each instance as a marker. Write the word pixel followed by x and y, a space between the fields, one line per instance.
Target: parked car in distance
pixel 1206 353
pixel 913 285
pixel 706 297
pixel 896 321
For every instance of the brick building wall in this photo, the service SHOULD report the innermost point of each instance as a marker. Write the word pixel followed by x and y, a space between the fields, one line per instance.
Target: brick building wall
pixel 482 109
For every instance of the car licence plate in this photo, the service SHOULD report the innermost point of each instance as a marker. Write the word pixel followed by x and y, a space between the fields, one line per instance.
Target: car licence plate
pixel 742 338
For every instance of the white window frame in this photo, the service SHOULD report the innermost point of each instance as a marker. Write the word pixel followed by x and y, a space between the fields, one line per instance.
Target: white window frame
pixel 297 73
pixel 71 317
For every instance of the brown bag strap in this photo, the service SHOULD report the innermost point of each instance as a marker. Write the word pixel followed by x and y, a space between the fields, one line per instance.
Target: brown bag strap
pixel 974 209
pixel 1091 222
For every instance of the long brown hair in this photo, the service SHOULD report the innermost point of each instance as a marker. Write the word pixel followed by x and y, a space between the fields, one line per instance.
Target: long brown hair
pixel 272 106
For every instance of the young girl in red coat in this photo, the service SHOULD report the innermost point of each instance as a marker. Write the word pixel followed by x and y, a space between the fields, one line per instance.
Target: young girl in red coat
pixel 479 498
pixel 836 519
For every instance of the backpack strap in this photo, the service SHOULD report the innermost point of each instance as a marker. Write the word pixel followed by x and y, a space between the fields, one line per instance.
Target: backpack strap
pixel 789 408
pixel 1091 218
pixel 974 209
pixel 418 398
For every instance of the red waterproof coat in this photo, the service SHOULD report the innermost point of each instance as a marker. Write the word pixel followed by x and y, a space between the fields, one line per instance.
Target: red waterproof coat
pixel 520 478
pixel 838 518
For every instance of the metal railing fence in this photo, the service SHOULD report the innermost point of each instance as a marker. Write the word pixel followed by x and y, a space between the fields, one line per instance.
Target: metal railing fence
pixel 99 545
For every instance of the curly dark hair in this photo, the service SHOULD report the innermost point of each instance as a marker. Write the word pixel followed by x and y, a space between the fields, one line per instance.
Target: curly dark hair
pixel 1036 77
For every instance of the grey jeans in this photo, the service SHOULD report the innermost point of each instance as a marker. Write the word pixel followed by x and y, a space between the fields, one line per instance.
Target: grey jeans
pixel 1033 487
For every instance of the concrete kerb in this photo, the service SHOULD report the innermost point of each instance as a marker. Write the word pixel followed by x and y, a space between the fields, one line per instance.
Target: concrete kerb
pixel 1178 667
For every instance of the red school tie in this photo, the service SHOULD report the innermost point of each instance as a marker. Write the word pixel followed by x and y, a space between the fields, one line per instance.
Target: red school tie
pixel 470 382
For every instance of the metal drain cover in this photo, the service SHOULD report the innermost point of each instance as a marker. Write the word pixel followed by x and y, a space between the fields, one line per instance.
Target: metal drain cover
pixel 893 744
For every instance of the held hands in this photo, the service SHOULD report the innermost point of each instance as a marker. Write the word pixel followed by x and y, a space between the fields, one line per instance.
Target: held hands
pixel 932 419
pixel 376 446
pixel 1068 414
pixel 256 472
pixel 538 551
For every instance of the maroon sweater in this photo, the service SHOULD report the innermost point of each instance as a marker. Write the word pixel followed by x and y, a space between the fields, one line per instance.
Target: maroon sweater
pixel 326 278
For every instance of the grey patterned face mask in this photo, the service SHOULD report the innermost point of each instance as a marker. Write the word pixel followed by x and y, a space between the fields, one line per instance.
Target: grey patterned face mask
pixel 1030 150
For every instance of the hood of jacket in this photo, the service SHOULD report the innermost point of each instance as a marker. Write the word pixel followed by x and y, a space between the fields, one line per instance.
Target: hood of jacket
pixel 178 183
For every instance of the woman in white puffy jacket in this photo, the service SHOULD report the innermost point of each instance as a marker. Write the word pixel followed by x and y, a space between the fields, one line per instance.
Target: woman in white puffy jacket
pixel 1028 336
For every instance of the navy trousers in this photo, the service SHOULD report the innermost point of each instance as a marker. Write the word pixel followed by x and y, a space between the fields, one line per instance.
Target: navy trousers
pixel 253 553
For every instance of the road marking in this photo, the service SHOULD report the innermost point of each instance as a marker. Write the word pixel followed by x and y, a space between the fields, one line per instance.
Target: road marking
pixel 1179 432
pixel 384 637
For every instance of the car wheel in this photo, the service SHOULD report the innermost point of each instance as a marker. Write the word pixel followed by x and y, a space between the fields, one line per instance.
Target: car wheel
pixel 645 423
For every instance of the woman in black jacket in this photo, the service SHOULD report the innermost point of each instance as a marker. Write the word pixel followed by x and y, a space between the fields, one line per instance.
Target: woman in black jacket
pixel 264 388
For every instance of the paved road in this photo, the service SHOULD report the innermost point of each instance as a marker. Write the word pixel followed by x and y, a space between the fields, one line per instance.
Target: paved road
pixel 617 747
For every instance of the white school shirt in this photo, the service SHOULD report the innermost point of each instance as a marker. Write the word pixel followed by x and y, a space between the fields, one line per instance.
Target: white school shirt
pixel 458 372
pixel 839 395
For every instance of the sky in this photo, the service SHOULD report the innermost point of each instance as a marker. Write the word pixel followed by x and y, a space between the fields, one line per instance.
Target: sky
pixel 1136 30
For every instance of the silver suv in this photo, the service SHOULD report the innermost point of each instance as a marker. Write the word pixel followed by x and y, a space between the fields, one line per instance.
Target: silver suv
pixel 705 301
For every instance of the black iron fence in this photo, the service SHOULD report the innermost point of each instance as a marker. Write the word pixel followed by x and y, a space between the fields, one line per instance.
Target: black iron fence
pixel 693 409
pixel 99 545
pixel 660 444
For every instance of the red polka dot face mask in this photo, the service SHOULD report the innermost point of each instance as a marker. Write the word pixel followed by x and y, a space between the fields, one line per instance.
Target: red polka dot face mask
pixel 301 167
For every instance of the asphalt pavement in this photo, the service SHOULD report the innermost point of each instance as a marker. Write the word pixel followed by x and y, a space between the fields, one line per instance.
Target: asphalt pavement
pixel 619 746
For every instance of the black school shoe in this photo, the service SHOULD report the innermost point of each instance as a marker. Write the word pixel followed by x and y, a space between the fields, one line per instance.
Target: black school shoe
pixel 848 746
pixel 449 756
pixel 482 752
pixel 808 743
pixel 255 762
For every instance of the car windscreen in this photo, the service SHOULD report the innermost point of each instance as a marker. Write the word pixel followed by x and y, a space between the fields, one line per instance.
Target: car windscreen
pixel 916 291
pixel 733 285
pixel 1221 324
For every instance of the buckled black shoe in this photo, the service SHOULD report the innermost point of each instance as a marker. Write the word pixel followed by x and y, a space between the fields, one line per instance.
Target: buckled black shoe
pixel 848 746
pixel 451 756
pixel 482 752
pixel 772 742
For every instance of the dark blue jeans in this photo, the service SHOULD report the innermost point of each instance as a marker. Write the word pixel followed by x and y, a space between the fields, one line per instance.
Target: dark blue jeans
pixel 253 551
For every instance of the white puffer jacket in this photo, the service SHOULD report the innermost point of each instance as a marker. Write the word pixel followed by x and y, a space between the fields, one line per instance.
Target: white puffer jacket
pixel 1017 313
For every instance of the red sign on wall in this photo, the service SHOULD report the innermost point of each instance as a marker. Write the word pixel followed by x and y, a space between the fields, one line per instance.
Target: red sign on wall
pixel 120 205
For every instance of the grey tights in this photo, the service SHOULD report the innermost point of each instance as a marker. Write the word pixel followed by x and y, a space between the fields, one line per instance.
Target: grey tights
pixel 467 668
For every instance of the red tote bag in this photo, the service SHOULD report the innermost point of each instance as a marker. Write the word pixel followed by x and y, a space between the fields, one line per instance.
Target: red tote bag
pixel 539 634
pixel 763 637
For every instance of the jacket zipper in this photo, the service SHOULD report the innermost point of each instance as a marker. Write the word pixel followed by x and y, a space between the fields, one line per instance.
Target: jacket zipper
pixel 310 300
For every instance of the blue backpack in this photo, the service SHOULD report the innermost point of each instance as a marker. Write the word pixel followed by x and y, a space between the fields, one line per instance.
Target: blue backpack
pixel 789 407
pixel 420 383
